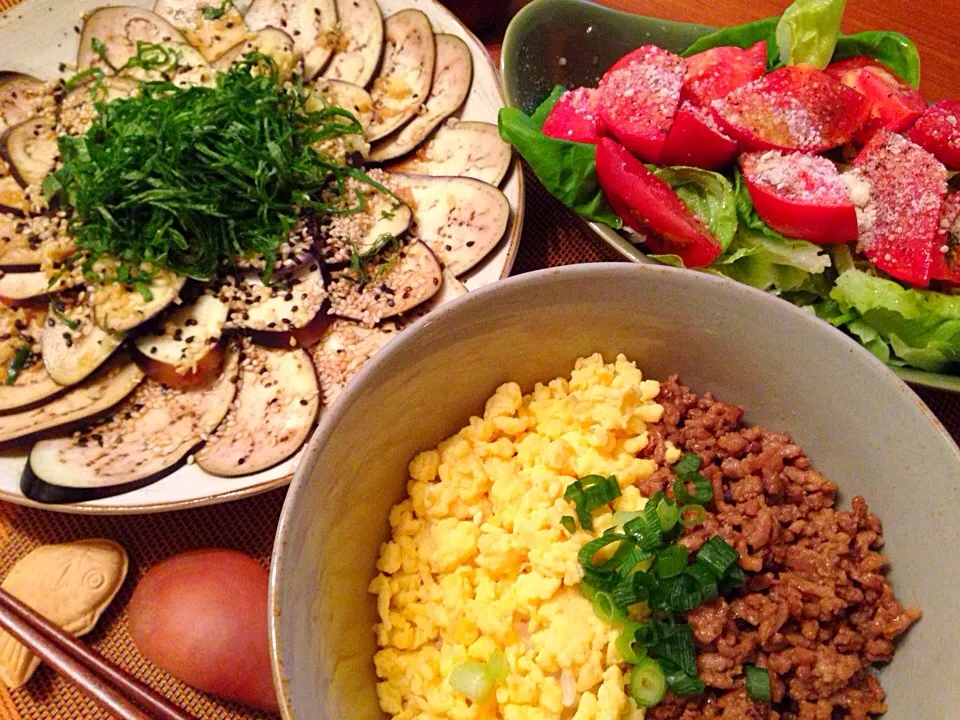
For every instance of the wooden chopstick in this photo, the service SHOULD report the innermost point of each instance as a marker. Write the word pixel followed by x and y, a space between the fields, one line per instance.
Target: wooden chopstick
pixel 84 666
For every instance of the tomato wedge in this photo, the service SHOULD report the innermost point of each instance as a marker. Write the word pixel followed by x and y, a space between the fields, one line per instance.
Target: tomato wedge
pixel 794 108
pixel 638 99
pixel 938 132
pixel 901 214
pixel 892 101
pixel 575 117
pixel 648 205
pixel 695 140
pixel 801 196
pixel 946 255
pixel 716 72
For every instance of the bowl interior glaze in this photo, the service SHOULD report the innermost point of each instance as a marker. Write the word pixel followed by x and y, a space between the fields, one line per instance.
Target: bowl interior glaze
pixel 860 424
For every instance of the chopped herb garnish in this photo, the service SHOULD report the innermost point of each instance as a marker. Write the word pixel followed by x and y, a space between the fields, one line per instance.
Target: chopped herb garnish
pixel 69 322
pixel 19 361
pixel 758 683
pixel 195 178
pixel 215 13
pixel 569 523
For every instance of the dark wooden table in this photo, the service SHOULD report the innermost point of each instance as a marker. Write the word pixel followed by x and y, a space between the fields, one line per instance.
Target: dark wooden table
pixel 934 25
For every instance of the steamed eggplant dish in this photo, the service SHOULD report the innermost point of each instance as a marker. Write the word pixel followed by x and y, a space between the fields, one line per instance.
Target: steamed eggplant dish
pixel 215 221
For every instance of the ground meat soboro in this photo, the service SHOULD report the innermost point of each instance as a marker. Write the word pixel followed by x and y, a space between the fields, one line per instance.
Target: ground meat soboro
pixel 816 611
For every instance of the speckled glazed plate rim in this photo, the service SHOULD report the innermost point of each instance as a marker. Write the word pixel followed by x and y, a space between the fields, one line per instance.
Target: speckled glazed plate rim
pixel 647 28
pixel 63 18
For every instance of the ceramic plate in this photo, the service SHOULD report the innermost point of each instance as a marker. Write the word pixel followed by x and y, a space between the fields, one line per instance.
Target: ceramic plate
pixel 35 38
pixel 572 43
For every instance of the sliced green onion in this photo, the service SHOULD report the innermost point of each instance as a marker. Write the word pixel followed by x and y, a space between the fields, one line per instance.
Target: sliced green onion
pixel 626 644
pixel 732 578
pixel 473 680
pixel 703 574
pixel 677 594
pixel 498 667
pixel 702 490
pixel 606 609
pixel 589 493
pixel 621 518
pixel 682 684
pixel 668 513
pixel 689 464
pixel 758 683
pixel 672 561
pixel 16 366
pixel 645 531
pixel 718 555
pixel 587 590
pixel 648 684
pixel 676 645
pixel 569 523
pixel 692 515
pixel 648 634
pixel 633 589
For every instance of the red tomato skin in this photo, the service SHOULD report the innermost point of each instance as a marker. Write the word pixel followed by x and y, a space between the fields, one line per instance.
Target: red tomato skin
pixel 202 616
pixel 575 117
pixel 796 108
pixel 716 72
pixel 893 102
pixel 696 141
pixel 820 224
pixel 938 132
pixel 650 206
pixel 946 254
pixel 638 99
pixel 908 187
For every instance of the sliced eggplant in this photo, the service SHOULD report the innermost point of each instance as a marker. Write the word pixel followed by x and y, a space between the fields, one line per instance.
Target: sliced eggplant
pixel 21 98
pixel 186 336
pixel 13 198
pixel 461 219
pixel 452 77
pixel 449 291
pixel 78 111
pixel 101 391
pixel 211 36
pixel 18 247
pixel 289 305
pixel 361 30
pixel 396 285
pixel 345 347
pixel 26 287
pixel 312 23
pixel 32 385
pixel 276 406
pixel 119 29
pixel 31 150
pixel 461 149
pixel 146 436
pixel 382 219
pixel 403 84
pixel 352 98
pixel 119 307
pixel 72 344
pixel 275 43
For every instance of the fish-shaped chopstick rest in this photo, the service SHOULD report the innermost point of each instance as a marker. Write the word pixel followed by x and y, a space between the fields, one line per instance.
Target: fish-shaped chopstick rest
pixel 70 584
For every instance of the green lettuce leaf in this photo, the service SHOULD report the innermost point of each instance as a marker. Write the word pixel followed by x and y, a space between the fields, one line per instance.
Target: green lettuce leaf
pixel 894 50
pixel 708 195
pixel 808 32
pixel 566 169
pixel 921 328
pixel 742 36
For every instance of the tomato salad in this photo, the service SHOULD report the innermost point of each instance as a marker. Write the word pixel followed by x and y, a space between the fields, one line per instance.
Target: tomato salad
pixel 784 155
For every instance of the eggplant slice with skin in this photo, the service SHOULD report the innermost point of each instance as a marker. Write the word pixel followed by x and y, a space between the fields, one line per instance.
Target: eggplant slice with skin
pixel 21 98
pixel 72 344
pixel 119 29
pixel 119 306
pixel 13 197
pixel 406 75
pixel 98 393
pixel 18 248
pixel 452 78
pixel 270 41
pixel 355 100
pixel 396 284
pixel 311 23
pixel 211 36
pixel 460 219
pixel 31 150
pixel 461 148
pixel 147 435
pixel 382 219
pixel 186 336
pixel 361 30
pixel 276 405
pixel 28 287
pixel 343 350
pixel 32 385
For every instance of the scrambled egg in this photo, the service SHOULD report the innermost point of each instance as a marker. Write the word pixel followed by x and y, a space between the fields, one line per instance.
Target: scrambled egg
pixel 479 561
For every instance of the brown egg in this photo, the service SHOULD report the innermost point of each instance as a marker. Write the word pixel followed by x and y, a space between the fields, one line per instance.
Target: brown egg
pixel 202 616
